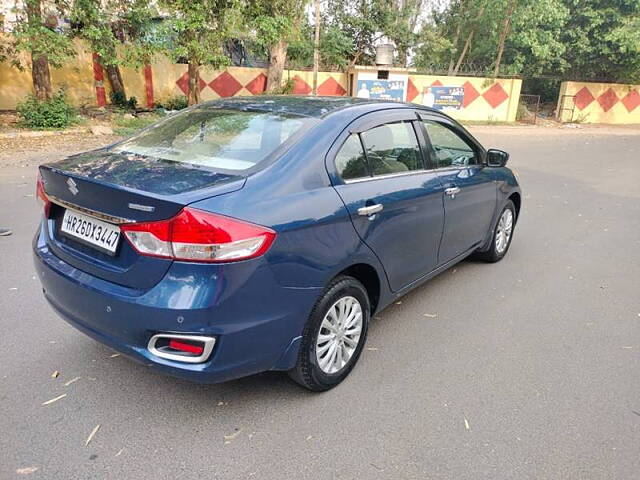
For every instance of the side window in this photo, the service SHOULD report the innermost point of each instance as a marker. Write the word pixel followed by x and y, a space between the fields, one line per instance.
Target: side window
pixel 449 148
pixel 350 160
pixel 392 148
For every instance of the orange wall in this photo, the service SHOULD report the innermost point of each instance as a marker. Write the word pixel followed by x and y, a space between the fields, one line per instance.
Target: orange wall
pixel 599 102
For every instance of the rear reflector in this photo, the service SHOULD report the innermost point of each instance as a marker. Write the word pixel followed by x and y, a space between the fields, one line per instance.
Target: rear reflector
pixel 186 347
pixel 181 348
pixel 195 235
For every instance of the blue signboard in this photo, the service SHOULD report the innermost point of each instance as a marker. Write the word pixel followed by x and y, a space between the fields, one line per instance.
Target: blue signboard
pixel 443 98
pixel 385 89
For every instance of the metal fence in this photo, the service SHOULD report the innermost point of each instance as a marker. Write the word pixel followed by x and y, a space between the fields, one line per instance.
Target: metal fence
pixel 531 104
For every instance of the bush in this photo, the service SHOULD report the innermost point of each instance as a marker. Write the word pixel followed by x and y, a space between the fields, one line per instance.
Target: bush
pixel 53 113
pixel 173 103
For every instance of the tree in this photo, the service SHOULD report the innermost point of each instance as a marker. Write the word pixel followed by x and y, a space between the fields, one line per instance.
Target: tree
pixel 603 37
pixel 503 35
pixel 276 23
pixel 197 32
pixel 92 21
pixel 117 31
pixel 473 25
pixel 364 22
pixel 401 27
pixel 36 34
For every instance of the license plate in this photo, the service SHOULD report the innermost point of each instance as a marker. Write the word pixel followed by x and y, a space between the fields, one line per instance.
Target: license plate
pixel 91 231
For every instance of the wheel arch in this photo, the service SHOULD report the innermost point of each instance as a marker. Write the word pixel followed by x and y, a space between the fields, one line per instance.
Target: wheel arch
pixel 368 276
pixel 516 198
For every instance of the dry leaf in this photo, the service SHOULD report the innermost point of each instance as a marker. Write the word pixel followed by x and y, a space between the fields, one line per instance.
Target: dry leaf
pixel 55 374
pixel 92 434
pixel 230 438
pixel 26 470
pixel 71 381
pixel 48 402
pixel 466 424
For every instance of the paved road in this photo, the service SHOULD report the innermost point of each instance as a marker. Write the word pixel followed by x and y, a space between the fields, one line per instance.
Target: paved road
pixel 524 369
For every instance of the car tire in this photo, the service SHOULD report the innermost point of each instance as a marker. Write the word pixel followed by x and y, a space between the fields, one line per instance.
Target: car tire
pixel 330 328
pixel 502 235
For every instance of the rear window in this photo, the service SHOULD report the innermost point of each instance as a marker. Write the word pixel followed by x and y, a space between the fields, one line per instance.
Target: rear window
pixel 215 138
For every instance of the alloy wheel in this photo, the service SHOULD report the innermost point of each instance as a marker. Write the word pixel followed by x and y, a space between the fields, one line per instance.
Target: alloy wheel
pixel 339 335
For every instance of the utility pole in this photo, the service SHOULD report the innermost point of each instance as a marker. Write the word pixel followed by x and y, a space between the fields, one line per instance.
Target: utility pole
pixel 316 49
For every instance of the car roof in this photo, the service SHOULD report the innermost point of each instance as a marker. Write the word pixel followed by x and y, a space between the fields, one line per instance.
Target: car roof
pixel 317 107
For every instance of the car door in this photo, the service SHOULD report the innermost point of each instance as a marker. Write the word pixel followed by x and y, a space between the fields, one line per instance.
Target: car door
pixel 394 199
pixel 470 193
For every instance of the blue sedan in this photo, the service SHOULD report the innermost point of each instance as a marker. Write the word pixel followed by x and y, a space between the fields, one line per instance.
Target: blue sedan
pixel 255 234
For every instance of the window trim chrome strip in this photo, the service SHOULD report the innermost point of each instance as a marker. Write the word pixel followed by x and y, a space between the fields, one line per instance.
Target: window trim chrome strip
pixel 88 211
pixel 388 175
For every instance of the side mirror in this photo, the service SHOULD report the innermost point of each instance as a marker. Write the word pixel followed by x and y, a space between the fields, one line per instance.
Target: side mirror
pixel 497 158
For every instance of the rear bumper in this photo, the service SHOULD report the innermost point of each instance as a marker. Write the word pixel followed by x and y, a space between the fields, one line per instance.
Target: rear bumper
pixel 256 322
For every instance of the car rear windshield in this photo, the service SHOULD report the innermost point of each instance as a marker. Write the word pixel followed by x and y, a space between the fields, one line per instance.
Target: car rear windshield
pixel 216 138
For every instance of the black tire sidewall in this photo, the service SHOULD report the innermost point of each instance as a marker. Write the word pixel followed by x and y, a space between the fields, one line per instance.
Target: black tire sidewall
pixel 494 252
pixel 308 370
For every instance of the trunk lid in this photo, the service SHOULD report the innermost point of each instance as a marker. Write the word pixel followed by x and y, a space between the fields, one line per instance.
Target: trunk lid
pixel 117 188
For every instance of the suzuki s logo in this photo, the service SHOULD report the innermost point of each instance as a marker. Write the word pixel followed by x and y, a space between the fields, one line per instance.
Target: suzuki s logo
pixel 73 188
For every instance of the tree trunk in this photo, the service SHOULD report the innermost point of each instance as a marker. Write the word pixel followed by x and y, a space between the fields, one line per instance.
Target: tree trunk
pixel 115 80
pixel 467 44
pixel 456 38
pixel 41 77
pixel 316 49
pixel 40 74
pixel 277 59
pixel 194 83
pixel 503 36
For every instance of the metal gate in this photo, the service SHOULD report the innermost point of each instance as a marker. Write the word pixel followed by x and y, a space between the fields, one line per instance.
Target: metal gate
pixel 532 104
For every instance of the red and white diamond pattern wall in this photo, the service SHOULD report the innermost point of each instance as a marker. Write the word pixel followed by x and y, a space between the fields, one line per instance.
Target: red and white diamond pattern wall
pixel 171 80
pixel 599 102
pixel 484 98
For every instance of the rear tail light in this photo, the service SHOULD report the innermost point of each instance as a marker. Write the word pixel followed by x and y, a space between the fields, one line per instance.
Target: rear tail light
pixel 198 236
pixel 181 348
pixel 41 195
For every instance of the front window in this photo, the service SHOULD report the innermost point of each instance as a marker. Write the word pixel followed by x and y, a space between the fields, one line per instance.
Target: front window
pixel 215 138
pixel 392 148
pixel 449 148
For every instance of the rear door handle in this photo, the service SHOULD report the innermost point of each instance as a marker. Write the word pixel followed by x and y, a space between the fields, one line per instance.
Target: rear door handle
pixel 453 191
pixel 370 210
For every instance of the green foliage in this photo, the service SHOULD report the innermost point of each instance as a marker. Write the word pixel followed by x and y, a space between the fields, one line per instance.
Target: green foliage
pixel 364 22
pixel 33 36
pixel 177 102
pixel 196 30
pixel 603 40
pixel 596 40
pixel 275 20
pixel 43 114
pixel 127 125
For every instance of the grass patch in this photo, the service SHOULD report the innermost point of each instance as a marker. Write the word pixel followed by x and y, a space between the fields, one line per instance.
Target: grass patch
pixel 126 125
